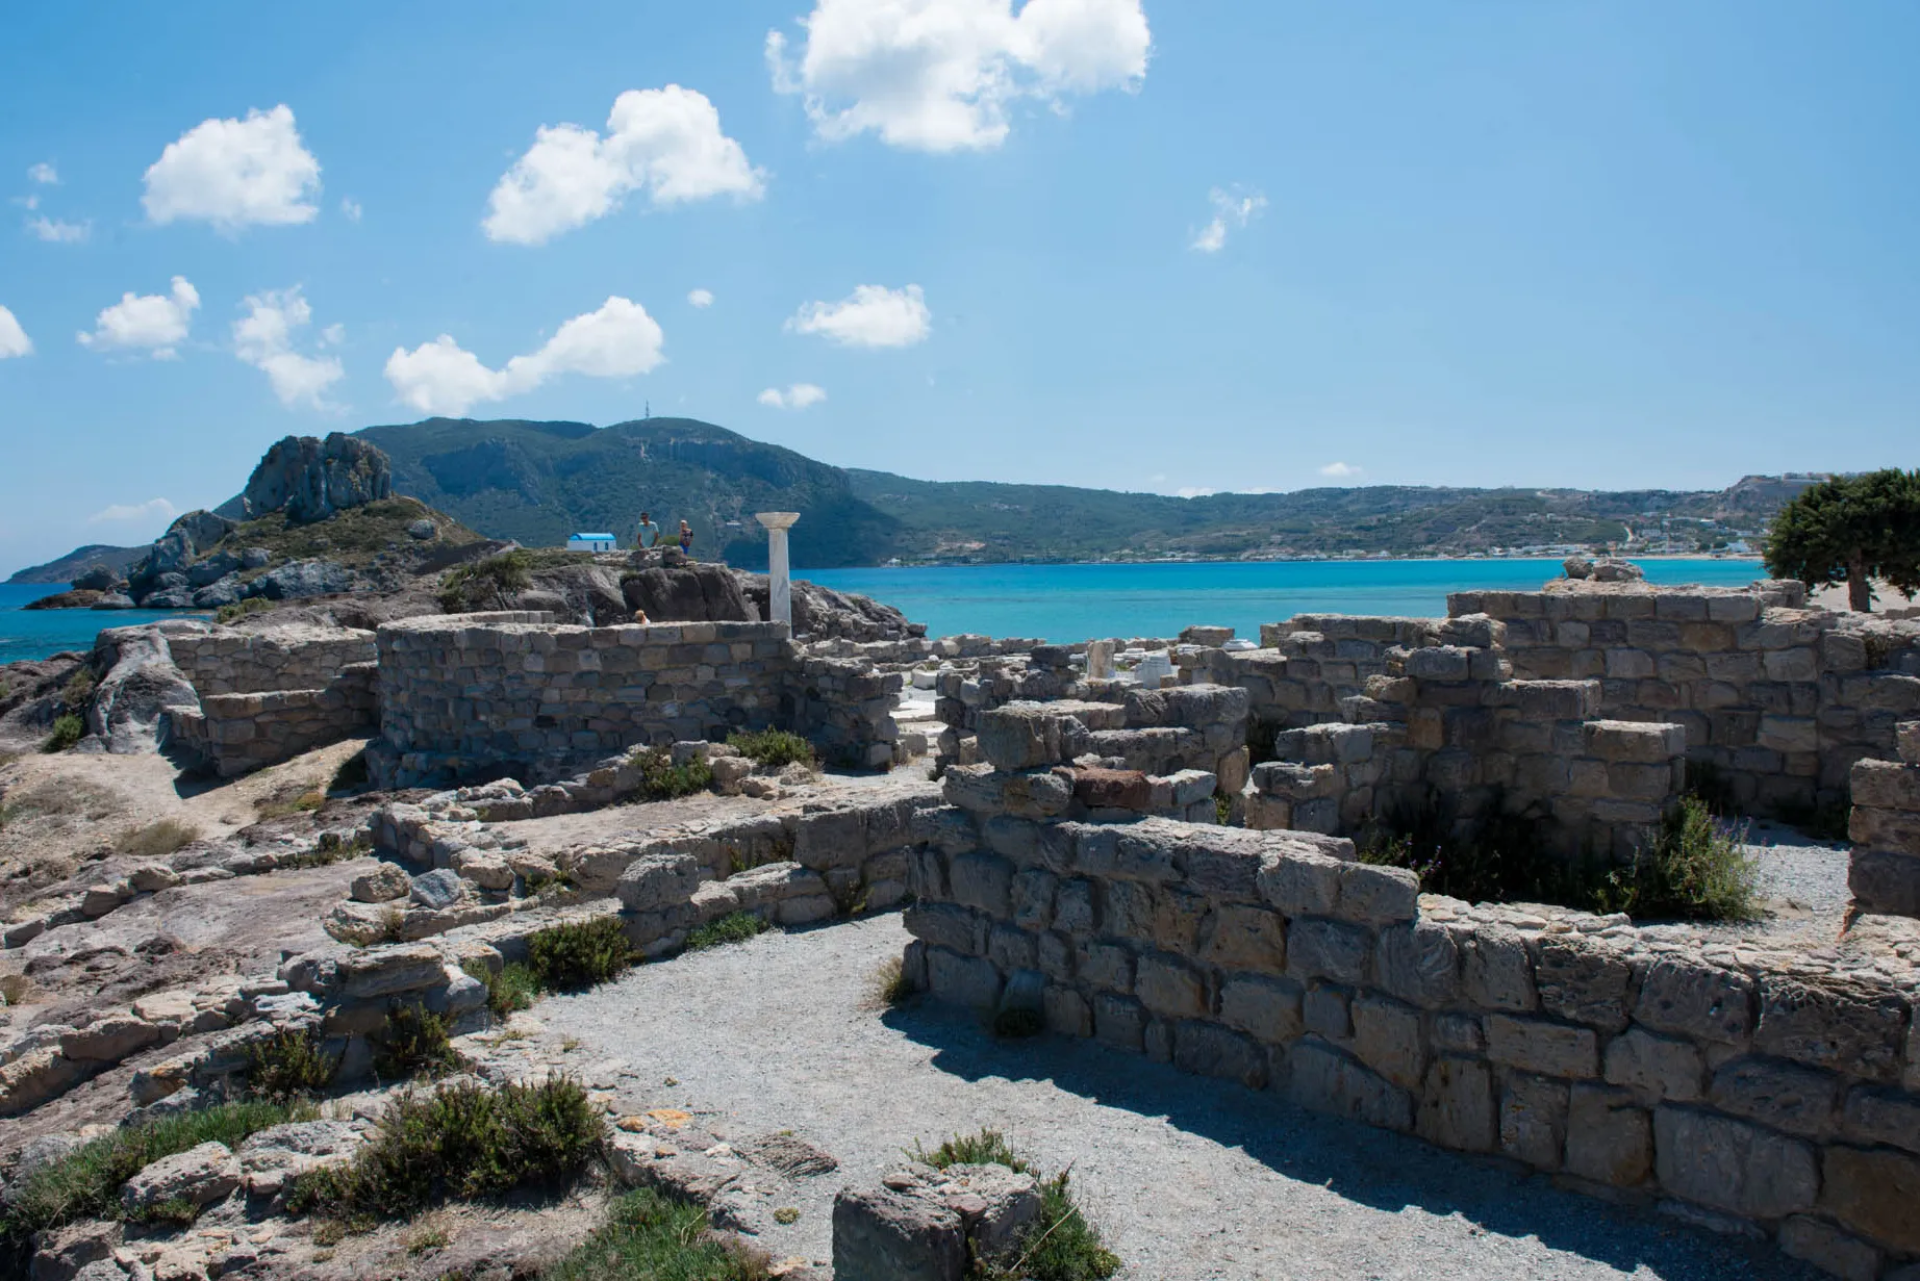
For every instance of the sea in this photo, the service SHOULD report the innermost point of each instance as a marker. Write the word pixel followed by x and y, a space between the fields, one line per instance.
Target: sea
pixel 1061 603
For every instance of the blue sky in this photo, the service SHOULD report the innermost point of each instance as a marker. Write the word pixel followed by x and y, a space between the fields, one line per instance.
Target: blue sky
pixel 1613 245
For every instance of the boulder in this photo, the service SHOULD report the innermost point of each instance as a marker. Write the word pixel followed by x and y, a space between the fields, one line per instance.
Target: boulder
pixel 311 479
pixel 225 591
pixel 114 600
pixel 304 578
pixel 693 593
pixel 422 529
pixel 69 1252
pixel 197 1177
pixel 272 1158
pixel 438 889
pixel 382 884
pixel 97 578
pixel 140 686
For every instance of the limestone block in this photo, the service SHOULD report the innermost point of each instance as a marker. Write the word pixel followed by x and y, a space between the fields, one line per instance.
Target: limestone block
pixel 1419 962
pixel 1784 1096
pixel 1032 898
pixel 1387 1038
pixel 1690 997
pixel 1874 1192
pixel 1496 971
pixel 1267 1008
pixel 1119 1021
pixel 1533 1120
pixel 272 1158
pixel 110 1038
pixel 1207 1049
pixel 1828 1248
pixel 35 1077
pixel 967 981
pixel 1549 1049
pixel 1634 741
pixel 1883 1116
pixel 1884 883
pixel 882 1235
pixel 1732 1165
pixel 830 839
pixel 983 882
pixel 438 889
pixel 1584 981
pixel 197 1176
pixel 1012 949
pixel 1377 895
pixel 1609 1139
pixel 1843 1027
pixel 382 884
pixel 1655 1068
pixel 1886 785
pixel 1067 1012
pixel 1170 988
pixel 1328 949
pixel 655 881
pixel 1300 881
pixel 151 878
pixel 1456 1105
pixel 945 925
pixel 383 971
pixel 1242 937
pixel 1325 1080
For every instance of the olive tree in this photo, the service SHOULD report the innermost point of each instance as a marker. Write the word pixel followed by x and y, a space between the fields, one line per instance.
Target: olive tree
pixel 1851 529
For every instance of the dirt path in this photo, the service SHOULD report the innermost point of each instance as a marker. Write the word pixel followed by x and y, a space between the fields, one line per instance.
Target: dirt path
pixel 1190 1178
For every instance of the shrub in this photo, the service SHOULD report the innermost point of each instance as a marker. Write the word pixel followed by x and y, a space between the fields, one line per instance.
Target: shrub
pixel 1222 809
pixel 330 848
pixel 889 987
pixel 1059 1245
pixel 511 988
pixel 85 1183
pixel 414 1042
pixel 158 839
pixel 662 780
pixel 286 801
pixel 650 1237
pixel 579 954
pixel 241 609
pixel 459 1142
pixel 734 927
pixel 772 747
pixel 289 1065
pixel 492 583
pixel 78 689
pixel 1696 870
pixel 67 730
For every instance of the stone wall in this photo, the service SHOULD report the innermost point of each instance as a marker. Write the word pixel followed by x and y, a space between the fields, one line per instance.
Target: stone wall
pixel 235 734
pixel 1884 872
pixel 469 695
pixel 230 662
pixel 1748 1091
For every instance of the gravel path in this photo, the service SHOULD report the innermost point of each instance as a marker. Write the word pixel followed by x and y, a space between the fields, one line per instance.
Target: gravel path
pixel 1189 1178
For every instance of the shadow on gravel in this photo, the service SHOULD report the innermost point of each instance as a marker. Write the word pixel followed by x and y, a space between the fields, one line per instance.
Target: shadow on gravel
pixel 1371 1167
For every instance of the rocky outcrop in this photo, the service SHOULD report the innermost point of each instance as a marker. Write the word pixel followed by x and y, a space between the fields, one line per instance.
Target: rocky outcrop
pixel 311 479
pixel 140 685
pixel 690 592
pixel 820 612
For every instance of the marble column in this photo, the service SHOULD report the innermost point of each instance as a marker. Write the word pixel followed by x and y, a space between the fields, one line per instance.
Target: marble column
pixel 779 581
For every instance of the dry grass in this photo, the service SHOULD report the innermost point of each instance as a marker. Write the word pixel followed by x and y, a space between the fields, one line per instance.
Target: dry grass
pixel 889 987
pixel 158 839
pixel 289 799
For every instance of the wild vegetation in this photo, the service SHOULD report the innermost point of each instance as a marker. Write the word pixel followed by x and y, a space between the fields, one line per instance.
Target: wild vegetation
pixel 651 1237
pixel 772 748
pixel 662 780
pixel 579 954
pixel 1059 1245
pixel 1852 530
pixel 157 839
pixel 291 1064
pixel 734 927
pixel 487 584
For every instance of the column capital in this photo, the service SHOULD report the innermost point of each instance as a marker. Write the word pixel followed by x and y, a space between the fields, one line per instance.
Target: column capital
pixel 777 520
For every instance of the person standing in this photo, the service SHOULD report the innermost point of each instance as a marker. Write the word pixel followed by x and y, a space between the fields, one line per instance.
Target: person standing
pixel 686 539
pixel 648 534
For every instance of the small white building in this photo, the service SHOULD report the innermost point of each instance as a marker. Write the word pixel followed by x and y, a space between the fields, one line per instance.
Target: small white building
pixel 592 543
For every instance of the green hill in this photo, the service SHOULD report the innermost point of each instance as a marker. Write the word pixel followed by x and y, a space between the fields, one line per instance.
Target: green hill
pixel 539 482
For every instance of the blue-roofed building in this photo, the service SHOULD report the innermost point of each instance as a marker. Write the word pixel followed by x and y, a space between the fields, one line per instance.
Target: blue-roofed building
pixel 592 543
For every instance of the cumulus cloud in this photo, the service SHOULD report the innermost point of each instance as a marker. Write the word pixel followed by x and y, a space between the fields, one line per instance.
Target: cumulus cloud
pixel 1340 471
pixel 665 141
pixel 13 339
pixel 797 396
pixel 264 338
pixel 1231 210
pixel 940 75
pixel 351 210
pixel 44 174
pixel 150 322
pixel 236 173
pixel 59 232
pixel 152 509
pixel 872 316
pixel 441 377
pixel 701 297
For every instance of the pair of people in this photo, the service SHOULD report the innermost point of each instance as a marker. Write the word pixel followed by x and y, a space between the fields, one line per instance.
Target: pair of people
pixel 649 534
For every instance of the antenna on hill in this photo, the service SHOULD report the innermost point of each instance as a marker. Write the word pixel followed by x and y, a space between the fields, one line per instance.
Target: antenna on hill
pixel 649 408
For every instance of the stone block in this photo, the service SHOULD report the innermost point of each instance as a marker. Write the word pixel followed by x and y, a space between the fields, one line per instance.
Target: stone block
pixel 830 839
pixel 1376 895
pixel 883 1235
pixel 1267 1008
pixel 1325 1080
pixel 1533 1120
pixel 1826 1247
pixel 1170 988
pixel 1387 1038
pixel 1655 1068
pixel 1067 1012
pixel 1691 997
pixel 1113 789
pixel 947 925
pixel 1884 883
pixel 655 881
pixel 1548 1049
pixel 1032 899
pixel 1785 1096
pixel 1021 736
pixel 1240 937
pixel 1456 1105
pixel 1732 1165
pixel 967 981
pixel 1609 1140
pixel 1882 1116
pixel 983 882
pixel 196 1177
pixel 1328 949
pixel 1419 962
pixel 1633 741
pixel 1840 1026
pixel 1299 881
pixel 1119 1021
pixel 1107 967
pixel 1584 981
pixel 1874 1193
pixel 1207 1049
pixel 1496 972
pixel 1326 1011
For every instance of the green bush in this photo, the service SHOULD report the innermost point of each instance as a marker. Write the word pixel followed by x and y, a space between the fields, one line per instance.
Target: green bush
pixel 1696 871
pixel 85 1184
pixel 67 730
pixel 78 689
pixel 457 1143
pixel 772 747
pixel 509 989
pixel 492 583
pixel 734 927
pixel 414 1043
pixel 241 609
pixel 579 954
pixel 1059 1245
pixel 650 1237
pixel 290 1064
pixel 662 780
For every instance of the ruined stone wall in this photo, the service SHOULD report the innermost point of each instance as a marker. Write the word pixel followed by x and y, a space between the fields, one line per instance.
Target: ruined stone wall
pixel 230 662
pixel 1778 700
pixel 1884 870
pixel 235 734
pixel 1749 1091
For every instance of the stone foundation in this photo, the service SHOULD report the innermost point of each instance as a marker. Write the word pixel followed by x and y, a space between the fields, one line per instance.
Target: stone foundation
pixel 235 734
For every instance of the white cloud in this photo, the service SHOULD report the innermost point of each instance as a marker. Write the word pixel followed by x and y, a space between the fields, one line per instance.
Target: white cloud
pixel 352 209
pixel 1192 491
pixel 1340 471
pixel 939 75
pixel 441 377
pixel 1231 209
pixel 153 321
pixel 798 396
pixel 872 316
pixel 59 232
pixel 701 297
pixel 13 339
pixel 667 141
pixel 263 338
pixel 236 173
pixel 333 335
pixel 45 174
pixel 152 509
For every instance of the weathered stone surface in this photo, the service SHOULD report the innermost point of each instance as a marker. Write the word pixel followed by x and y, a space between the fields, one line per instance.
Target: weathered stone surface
pixel 1327 949
pixel 1242 937
pixel 1832 1025
pixel 1656 1068
pixel 109 1038
pixel 1584 981
pixel 272 1158
pixel 1533 1119
pixel 35 1077
pixel 1829 1249
pixel 1535 1045
pixel 197 1176
pixel 1782 1095
pixel 381 884
pixel 983 882
pixel 1419 962
pixel 439 889
pixel 66 1252
pixel 1302 883
pixel 311 479
pixel 382 971
pixel 968 981
pixel 1690 997
pixel 1170 988
pixel 655 881
pixel 1119 1021
pixel 1732 1165
pixel 1326 1080
pixel 883 1235
pixel 1609 1140
pixel 1387 1037
pixel 1207 1049
pixel 1874 1192
pixel 1496 971
pixel 1378 895
pixel 1268 1008
pixel 1456 1105
pixel 1883 1116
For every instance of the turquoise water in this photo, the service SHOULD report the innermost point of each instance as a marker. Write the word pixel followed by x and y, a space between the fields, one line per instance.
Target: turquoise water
pixel 1074 602
pixel 41 633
